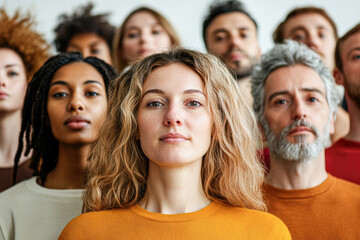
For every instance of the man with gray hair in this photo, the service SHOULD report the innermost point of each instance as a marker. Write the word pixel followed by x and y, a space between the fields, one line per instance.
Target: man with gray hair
pixel 296 108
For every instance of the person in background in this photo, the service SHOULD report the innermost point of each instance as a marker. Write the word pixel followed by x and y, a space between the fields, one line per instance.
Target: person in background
pixel 342 158
pixel 296 108
pixel 176 158
pixel 84 32
pixel 143 32
pixel 65 106
pixel 230 33
pixel 314 27
pixel 22 52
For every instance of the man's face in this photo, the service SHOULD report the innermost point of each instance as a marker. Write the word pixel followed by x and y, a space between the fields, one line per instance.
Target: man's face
pixel 350 57
pixel 296 113
pixel 316 32
pixel 233 38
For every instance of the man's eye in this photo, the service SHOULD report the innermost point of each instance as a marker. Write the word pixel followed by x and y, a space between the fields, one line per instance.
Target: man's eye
pixel 220 38
pixel 313 99
pixel 95 51
pixel 299 38
pixel 281 101
pixel 60 95
pixel 132 35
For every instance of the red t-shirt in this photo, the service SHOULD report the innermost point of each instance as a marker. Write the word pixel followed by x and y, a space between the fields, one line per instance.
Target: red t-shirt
pixel 343 160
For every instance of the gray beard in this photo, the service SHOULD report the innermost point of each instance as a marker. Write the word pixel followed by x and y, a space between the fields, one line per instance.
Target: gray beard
pixel 301 151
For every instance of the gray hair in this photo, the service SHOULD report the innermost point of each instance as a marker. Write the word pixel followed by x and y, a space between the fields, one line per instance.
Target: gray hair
pixel 288 54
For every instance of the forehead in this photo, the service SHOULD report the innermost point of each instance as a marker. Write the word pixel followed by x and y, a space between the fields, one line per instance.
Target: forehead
pixel 292 78
pixel 350 44
pixel 231 21
pixel 173 77
pixel 86 38
pixel 307 21
pixel 141 18
pixel 9 56
pixel 77 72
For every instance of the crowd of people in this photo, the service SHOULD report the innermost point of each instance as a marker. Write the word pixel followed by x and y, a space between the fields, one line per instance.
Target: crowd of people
pixel 124 134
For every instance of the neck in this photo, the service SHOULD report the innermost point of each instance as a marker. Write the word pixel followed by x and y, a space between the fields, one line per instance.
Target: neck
pixel 10 124
pixel 173 190
pixel 354 113
pixel 71 168
pixel 294 175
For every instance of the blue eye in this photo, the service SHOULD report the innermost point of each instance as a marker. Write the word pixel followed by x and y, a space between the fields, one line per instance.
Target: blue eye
pixel 281 101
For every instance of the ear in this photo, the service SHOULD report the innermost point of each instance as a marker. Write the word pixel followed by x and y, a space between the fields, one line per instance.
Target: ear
pixel 332 125
pixel 258 52
pixel 338 76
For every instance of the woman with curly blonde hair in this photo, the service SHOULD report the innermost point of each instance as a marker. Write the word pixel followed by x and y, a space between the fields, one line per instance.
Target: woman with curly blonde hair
pixel 22 52
pixel 176 158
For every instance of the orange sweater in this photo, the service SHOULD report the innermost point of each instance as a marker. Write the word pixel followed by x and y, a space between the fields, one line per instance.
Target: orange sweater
pixel 328 211
pixel 216 221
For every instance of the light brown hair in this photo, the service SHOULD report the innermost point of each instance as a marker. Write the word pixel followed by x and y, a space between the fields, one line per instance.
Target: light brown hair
pixel 231 171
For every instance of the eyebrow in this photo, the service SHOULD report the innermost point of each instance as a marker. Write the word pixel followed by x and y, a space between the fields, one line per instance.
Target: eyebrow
pixel 129 28
pixel 189 91
pixel 12 65
pixel 61 82
pixel 287 92
pixel 304 29
pixel 220 30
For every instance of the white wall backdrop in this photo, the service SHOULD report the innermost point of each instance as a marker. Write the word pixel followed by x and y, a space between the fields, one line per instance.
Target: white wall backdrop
pixel 187 15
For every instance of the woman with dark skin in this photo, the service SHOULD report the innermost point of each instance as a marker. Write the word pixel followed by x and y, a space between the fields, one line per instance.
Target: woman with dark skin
pixel 65 106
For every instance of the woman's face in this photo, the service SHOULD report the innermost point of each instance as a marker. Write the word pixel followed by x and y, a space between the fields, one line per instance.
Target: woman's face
pixel 13 82
pixel 143 36
pixel 173 117
pixel 76 103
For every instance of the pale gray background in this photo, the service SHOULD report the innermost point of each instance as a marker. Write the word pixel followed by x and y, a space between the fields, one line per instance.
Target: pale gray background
pixel 187 15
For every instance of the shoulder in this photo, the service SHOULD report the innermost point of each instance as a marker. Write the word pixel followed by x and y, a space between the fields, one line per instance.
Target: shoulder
pixel 16 192
pixel 259 222
pixel 93 223
pixel 344 186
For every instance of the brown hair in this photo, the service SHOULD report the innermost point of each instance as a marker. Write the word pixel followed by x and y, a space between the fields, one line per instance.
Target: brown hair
pixel 340 43
pixel 278 35
pixel 119 62
pixel 231 171
pixel 17 33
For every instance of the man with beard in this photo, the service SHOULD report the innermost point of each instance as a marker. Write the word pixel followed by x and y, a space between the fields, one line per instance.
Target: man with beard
pixel 230 33
pixel 343 158
pixel 313 27
pixel 295 108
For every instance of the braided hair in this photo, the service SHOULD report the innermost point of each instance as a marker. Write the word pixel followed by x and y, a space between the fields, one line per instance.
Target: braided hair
pixel 35 124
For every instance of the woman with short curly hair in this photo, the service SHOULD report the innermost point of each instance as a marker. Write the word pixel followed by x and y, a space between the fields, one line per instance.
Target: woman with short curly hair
pixel 22 52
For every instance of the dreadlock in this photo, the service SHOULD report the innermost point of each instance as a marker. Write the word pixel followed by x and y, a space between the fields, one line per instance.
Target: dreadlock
pixel 82 21
pixel 35 124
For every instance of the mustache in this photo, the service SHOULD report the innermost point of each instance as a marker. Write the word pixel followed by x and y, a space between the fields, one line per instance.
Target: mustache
pixel 300 123
pixel 235 49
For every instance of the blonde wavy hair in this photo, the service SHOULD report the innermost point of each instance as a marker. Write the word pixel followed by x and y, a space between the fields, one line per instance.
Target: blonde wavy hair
pixel 231 170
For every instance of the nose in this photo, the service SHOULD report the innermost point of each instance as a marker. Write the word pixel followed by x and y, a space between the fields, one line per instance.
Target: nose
pixel 144 37
pixel 235 42
pixel 85 53
pixel 3 81
pixel 313 41
pixel 299 110
pixel 173 116
pixel 76 103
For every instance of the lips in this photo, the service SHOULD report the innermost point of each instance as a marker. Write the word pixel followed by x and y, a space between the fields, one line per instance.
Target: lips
pixel 297 130
pixel 173 138
pixel 3 95
pixel 76 122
